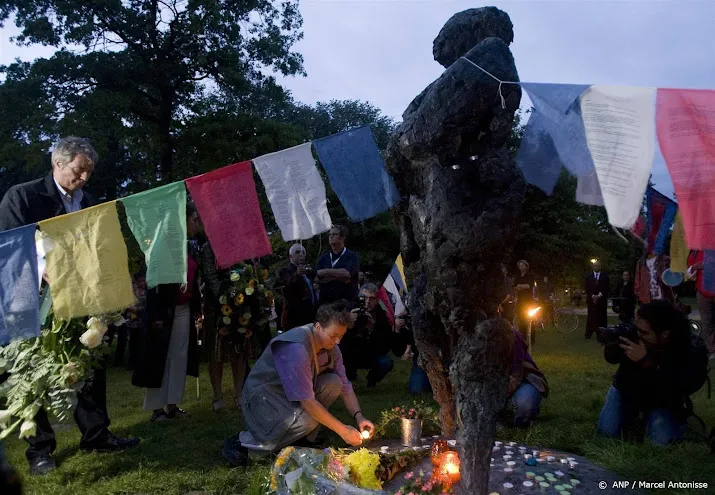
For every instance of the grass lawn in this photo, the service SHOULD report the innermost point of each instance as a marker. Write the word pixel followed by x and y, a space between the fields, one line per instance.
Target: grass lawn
pixel 184 456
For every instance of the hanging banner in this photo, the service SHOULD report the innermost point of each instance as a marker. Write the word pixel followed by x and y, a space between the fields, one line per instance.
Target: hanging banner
pixel 88 266
pixel 157 218
pixel 660 215
pixel 709 271
pixel 620 135
pixel 558 115
pixel 296 192
pixel 588 191
pixel 685 120
pixel 678 247
pixel 19 295
pixel 537 156
pixel 390 286
pixel 228 205
pixel 357 173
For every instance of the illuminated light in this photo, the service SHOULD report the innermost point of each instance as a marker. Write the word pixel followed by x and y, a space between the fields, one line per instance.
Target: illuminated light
pixel 593 260
pixel 365 434
pixel 532 312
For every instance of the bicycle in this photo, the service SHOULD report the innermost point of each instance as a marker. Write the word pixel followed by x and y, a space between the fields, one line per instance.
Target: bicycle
pixel 565 319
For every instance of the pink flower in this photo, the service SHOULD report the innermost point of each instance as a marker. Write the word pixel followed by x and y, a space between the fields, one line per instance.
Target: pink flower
pixel 409 475
pixel 412 411
pixel 397 409
pixel 427 487
pixel 412 493
pixel 398 492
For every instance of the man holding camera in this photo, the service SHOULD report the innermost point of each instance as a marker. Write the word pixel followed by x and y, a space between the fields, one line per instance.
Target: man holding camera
pixel 299 299
pixel 659 368
pixel 367 344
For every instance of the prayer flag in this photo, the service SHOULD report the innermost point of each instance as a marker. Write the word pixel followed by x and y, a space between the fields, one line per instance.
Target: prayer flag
pixel 390 286
pixel 588 191
pixel 709 271
pixel 88 266
pixel 556 113
pixel 660 215
pixel 19 295
pixel 685 119
pixel 537 156
pixel 621 137
pixel 296 192
pixel 227 202
pixel 157 218
pixel 357 173
pixel 678 247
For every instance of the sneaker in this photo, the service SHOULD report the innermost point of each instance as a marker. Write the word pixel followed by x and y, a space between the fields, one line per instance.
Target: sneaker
pixel 159 415
pixel 111 443
pixel 42 465
pixel 235 453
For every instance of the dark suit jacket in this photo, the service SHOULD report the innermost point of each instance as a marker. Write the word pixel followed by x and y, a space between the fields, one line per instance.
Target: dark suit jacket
pixel 32 202
pixel 298 305
pixel 594 288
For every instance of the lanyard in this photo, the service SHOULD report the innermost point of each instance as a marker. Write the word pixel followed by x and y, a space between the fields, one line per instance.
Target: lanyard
pixel 333 263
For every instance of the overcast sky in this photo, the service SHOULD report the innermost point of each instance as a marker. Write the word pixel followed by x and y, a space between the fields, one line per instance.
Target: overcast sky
pixel 381 51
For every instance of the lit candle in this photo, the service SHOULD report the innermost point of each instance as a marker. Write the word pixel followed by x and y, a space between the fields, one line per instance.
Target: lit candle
pixel 365 434
pixel 450 466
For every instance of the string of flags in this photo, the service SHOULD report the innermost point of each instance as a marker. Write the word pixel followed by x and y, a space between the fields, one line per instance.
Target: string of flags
pixel 86 256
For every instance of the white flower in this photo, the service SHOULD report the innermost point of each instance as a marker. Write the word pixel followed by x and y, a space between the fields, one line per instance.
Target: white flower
pixel 5 416
pixel 261 287
pixel 235 277
pixel 91 338
pixel 97 325
pixel 28 429
pixel 249 291
pixel 241 330
pixel 226 320
pixel 222 300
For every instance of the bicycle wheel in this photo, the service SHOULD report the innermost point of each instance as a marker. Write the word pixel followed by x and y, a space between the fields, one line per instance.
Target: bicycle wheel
pixel 565 320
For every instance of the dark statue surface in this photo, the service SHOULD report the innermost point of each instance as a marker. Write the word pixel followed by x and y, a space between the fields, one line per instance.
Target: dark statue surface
pixel 461 197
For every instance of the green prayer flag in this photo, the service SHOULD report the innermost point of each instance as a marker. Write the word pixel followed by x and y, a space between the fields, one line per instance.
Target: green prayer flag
pixel 157 218
pixel 45 305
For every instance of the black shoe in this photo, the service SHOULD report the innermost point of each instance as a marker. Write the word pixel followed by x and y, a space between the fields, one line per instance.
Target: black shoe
pixel 177 412
pixel 42 465
pixel 111 443
pixel 235 453
pixel 159 415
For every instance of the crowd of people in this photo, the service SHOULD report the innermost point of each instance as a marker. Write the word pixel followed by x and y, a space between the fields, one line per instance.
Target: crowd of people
pixel 333 327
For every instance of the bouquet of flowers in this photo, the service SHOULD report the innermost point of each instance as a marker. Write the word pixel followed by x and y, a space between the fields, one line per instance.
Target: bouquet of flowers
pixel 48 371
pixel 421 485
pixel 246 304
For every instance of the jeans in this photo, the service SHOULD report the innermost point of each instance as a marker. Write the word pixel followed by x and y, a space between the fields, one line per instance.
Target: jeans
pixel 525 401
pixel 381 366
pixel 660 424
pixel 419 382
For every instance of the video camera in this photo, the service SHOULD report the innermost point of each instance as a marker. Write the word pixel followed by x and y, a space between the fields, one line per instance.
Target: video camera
pixel 612 334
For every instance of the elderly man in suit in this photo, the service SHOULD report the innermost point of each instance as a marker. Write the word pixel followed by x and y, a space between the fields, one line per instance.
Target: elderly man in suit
pixel 60 192
pixel 597 289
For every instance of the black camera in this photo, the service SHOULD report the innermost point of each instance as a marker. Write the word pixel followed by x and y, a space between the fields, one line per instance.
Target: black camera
pixel 362 308
pixel 612 334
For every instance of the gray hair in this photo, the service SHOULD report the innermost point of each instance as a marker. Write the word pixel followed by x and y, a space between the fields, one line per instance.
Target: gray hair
pixel 294 248
pixel 67 149
pixel 370 287
pixel 336 313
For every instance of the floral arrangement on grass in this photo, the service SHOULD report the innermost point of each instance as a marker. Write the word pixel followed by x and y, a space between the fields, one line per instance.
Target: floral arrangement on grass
pixel 417 410
pixel 246 304
pixel 420 485
pixel 48 371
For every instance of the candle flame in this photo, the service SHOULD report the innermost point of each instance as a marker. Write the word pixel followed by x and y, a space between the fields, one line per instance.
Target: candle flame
pixel 365 434
pixel 532 312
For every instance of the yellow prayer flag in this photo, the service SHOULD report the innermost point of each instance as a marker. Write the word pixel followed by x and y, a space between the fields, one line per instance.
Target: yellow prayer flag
pixel 401 267
pixel 88 266
pixel 678 247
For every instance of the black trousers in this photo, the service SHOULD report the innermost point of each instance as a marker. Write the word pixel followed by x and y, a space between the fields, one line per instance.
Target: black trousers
pixel 90 415
pixel 597 317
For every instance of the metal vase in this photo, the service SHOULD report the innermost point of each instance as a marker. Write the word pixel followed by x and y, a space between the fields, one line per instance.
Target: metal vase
pixel 411 432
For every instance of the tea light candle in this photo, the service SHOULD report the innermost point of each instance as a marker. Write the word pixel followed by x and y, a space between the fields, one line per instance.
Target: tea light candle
pixel 544 485
pixel 573 464
pixel 567 487
pixel 511 463
pixel 521 447
pixel 497 443
pixel 535 453
pixel 511 444
pixel 452 443
pixel 365 434
pixel 574 482
pixel 570 458
pixel 450 466
pixel 550 458
pixel 528 484
pixel 506 457
pixel 559 488
pixel 527 456
pixel 508 486
pixel 539 479
pixel 540 460
pixel 495 449
pixel 530 474
pixel 508 470
pixel 435 436
pixel 564 493
pixel 564 461
pixel 510 452
pixel 559 474
pixel 384 449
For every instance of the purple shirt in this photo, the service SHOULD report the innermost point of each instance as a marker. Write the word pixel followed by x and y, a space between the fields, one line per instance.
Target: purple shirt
pixel 294 368
pixel 521 353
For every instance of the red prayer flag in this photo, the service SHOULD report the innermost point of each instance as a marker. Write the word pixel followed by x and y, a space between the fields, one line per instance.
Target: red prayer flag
pixel 639 227
pixel 227 202
pixel 387 304
pixel 685 121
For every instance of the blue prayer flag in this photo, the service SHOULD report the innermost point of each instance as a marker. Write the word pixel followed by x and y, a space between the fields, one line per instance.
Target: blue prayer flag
pixel 557 114
pixel 357 173
pixel 709 271
pixel 19 292
pixel 660 216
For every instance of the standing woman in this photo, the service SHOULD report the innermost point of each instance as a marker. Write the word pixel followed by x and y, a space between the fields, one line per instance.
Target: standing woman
pixel 169 350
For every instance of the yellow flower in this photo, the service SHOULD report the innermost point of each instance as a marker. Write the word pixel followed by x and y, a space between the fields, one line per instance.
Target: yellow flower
pixel 226 310
pixel 250 291
pixel 252 283
pixel 269 294
pixel 239 299
pixel 245 319
pixel 265 274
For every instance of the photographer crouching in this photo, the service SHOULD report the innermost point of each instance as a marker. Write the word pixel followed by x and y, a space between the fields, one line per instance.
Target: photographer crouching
pixel 367 344
pixel 659 368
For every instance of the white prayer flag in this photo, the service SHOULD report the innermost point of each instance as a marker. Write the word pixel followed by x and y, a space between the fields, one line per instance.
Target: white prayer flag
pixel 620 132
pixel 391 288
pixel 296 192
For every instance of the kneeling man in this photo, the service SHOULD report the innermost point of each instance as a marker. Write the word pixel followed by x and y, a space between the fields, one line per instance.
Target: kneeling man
pixel 290 388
